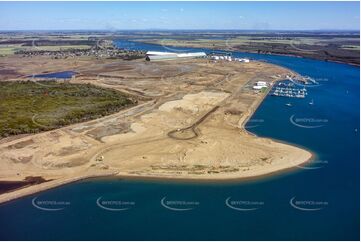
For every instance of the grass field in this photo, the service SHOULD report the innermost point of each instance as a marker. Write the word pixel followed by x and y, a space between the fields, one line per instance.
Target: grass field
pixel 29 107
pixel 8 49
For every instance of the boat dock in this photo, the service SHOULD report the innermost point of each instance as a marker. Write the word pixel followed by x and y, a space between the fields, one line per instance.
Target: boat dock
pixel 289 92
pixel 305 80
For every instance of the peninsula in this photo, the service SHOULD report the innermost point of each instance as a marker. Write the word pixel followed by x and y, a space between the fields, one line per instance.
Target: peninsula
pixel 187 122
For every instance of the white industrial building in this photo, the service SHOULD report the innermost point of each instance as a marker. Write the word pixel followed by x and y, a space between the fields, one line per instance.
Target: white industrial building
pixel 243 60
pixel 157 55
pixel 228 58
pixel 259 85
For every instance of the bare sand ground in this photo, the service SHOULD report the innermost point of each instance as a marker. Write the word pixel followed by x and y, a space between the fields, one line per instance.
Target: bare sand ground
pixel 189 124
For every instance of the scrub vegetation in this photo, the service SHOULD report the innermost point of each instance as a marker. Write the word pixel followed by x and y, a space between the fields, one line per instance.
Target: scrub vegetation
pixel 31 107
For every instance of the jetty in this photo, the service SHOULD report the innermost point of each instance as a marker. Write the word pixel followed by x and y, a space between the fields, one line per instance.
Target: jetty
pixel 289 92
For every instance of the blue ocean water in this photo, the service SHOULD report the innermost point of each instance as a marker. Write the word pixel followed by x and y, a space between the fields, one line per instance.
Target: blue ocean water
pixel 329 128
pixel 62 75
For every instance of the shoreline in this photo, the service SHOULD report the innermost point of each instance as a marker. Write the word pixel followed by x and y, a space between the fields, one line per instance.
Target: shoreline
pixel 115 175
pixel 31 190
pixel 218 181
pixel 253 52
pixel 111 174
pixel 227 180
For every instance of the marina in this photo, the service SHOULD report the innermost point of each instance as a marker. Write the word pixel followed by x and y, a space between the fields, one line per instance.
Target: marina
pixel 288 90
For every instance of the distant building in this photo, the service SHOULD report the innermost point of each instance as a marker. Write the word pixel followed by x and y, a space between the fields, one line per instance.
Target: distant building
pixel 260 85
pixel 157 55
pixel 243 60
pixel 228 58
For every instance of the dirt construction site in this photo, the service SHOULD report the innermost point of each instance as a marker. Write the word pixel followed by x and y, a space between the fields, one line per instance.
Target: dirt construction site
pixel 188 123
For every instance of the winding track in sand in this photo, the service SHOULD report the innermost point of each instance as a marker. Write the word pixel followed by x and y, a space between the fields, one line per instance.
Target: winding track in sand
pixel 215 107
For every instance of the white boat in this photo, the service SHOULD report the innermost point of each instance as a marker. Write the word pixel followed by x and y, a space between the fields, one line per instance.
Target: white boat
pixel 311 103
pixel 289 104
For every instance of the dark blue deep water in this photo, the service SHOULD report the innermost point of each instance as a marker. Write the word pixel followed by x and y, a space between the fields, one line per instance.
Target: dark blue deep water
pixel 329 128
pixel 62 75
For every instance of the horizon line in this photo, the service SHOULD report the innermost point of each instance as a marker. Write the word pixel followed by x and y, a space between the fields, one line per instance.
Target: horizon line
pixel 155 29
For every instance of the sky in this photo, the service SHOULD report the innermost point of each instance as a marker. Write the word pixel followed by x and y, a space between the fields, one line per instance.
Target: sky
pixel 179 15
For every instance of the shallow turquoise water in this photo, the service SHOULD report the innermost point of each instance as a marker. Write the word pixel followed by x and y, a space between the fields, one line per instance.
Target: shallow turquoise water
pixel 332 188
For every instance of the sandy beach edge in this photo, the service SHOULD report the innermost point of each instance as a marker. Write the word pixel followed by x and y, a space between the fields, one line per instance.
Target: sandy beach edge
pixel 20 193
pixel 31 190
pixel 28 191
